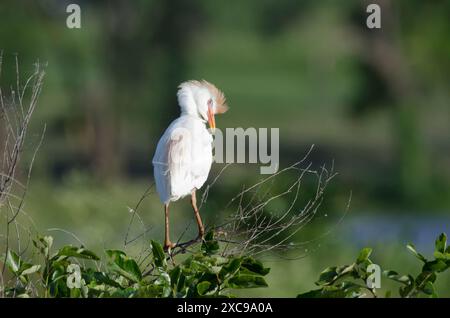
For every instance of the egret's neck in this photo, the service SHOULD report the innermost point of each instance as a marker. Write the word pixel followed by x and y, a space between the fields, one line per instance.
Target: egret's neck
pixel 188 97
pixel 189 108
pixel 195 117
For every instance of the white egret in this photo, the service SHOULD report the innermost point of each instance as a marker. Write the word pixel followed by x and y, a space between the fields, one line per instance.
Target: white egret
pixel 183 156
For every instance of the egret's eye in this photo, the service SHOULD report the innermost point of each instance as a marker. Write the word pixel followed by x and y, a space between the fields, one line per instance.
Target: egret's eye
pixel 210 102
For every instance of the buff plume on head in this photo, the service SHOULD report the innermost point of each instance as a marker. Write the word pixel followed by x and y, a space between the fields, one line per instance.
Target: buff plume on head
pixel 194 95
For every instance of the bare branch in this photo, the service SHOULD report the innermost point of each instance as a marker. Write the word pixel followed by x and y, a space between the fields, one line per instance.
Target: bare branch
pixel 15 115
pixel 255 230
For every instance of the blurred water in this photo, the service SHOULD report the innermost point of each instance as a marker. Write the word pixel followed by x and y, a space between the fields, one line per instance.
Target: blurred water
pixel 376 228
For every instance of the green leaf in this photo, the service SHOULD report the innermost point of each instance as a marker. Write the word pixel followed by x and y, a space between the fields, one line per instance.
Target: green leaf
pixel 441 243
pixel 158 254
pixel 20 268
pixel 131 268
pixel 209 245
pixel 344 270
pixel 405 290
pixel 124 293
pixel 231 268
pixel 209 236
pixel 124 265
pixel 13 262
pixel 332 274
pixel 219 260
pixel 364 255
pixel 75 293
pixel 442 256
pixel 44 244
pixel 327 276
pixel 425 277
pixel 98 278
pixel 316 293
pixel 254 266
pixel 437 265
pixel 48 242
pixel 175 275
pixel 115 253
pixel 163 280
pixel 150 291
pixel 73 251
pixel 412 249
pixel 203 287
pixel 181 283
pixel 31 269
pixel 199 266
pixel 404 279
pixel 247 281
pixel 56 282
pixel 430 290
pixel 343 290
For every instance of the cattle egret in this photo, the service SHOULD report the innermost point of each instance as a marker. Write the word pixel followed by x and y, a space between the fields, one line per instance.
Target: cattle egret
pixel 183 156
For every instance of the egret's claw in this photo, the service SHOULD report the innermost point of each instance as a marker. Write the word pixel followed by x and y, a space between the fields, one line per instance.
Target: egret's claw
pixel 168 246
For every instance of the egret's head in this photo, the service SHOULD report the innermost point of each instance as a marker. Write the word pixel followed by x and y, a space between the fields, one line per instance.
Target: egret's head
pixel 202 99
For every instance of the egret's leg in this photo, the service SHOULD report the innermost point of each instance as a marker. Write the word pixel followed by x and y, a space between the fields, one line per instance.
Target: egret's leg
pixel 201 228
pixel 167 243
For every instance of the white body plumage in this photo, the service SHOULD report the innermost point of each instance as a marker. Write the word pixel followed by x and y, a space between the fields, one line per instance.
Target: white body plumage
pixel 183 156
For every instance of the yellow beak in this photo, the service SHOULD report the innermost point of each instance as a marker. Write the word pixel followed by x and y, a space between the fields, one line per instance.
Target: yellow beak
pixel 211 119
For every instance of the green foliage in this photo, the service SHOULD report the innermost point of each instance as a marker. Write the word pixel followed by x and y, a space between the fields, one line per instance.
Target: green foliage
pixel 423 283
pixel 19 268
pixel 350 280
pixel 77 272
pixel 347 281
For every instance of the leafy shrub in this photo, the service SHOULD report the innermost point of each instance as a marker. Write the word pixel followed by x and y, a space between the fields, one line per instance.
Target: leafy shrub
pixel 350 280
pixel 204 273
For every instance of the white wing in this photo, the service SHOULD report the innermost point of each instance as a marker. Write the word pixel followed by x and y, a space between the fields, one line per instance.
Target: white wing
pixel 172 164
pixel 179 159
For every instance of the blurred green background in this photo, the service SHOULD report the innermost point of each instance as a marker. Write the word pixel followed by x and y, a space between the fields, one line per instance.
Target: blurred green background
pixel 376 103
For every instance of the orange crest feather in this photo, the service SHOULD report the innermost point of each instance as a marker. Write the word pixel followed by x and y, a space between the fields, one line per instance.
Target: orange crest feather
pixel 219 96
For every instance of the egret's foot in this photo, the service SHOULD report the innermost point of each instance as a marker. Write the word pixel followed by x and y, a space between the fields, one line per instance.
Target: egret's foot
pixel 168 246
